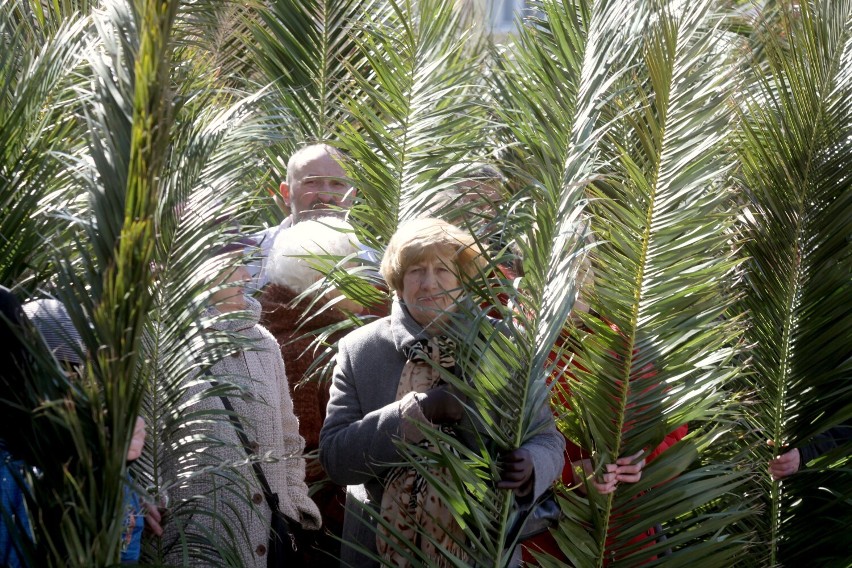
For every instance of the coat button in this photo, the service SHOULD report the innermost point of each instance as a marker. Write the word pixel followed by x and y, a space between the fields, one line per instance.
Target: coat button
pixel 260 550
pixel 254 447
pixel 257 498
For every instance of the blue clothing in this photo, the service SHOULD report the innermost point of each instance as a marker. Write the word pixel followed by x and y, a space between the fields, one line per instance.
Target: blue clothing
pixel 134 522
pixel 14 509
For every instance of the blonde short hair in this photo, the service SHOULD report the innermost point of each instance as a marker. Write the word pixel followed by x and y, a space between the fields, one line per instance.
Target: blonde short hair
pixel 421 238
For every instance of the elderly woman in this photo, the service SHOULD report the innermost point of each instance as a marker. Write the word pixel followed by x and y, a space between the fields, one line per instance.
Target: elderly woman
pixel 385 389
pixel 266 418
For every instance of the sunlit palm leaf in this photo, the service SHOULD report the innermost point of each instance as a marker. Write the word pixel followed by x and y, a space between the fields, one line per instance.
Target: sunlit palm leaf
pixel 35 126
pixel 418 83
pixel 656 216
pixel 208 161
pixel 796 142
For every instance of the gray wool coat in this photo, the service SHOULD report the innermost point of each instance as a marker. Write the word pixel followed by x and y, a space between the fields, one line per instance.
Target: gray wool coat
pixel 364 418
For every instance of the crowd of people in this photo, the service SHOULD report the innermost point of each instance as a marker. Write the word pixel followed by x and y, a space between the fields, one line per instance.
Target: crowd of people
pixel 337 467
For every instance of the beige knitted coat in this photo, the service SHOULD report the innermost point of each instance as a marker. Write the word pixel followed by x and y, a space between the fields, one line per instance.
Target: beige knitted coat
pixel 266 413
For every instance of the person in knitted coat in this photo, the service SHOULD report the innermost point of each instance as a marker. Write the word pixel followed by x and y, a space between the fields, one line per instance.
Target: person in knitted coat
pixel 295 321
pixel 266 414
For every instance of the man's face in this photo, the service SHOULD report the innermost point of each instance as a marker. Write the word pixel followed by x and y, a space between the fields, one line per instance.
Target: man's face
pixel 314 188
pixel 481 198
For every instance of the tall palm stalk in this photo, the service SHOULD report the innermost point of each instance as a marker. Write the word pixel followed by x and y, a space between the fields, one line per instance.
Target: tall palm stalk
pixel 78 512
pixel 794 150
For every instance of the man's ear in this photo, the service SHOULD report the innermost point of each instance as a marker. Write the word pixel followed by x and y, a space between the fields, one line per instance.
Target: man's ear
pixel 284 189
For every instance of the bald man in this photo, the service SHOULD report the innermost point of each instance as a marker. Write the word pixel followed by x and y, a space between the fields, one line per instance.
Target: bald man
pixel 316 187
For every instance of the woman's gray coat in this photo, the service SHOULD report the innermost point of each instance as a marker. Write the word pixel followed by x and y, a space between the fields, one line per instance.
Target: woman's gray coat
pixel 364 418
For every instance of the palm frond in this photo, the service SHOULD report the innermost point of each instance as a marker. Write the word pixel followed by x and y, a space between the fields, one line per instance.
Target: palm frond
pixel 795 138
pixel 660 355
pixel 35 125
pixel 81 509
pixel 420 84
pixel 303 49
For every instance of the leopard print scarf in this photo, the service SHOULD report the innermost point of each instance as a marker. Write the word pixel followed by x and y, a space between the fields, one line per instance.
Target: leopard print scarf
pixel 410 504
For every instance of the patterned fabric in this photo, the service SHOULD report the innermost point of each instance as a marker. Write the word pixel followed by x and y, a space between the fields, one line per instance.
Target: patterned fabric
pixel 409 503
pixel 134 522
pixel 51 319
pixel 266 413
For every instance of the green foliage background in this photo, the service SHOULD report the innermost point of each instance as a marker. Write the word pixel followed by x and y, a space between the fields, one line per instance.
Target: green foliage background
pixel 704 146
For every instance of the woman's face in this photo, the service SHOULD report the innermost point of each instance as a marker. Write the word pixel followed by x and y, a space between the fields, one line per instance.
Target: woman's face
pixel 430 288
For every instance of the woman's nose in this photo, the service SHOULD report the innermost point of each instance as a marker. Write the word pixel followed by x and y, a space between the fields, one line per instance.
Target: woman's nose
pixel 428 280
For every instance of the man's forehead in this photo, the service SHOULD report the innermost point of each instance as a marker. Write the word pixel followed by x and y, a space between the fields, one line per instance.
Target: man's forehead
pixel 317 163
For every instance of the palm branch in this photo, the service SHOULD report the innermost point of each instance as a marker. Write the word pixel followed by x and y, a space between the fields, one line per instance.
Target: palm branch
pixel 663 274
pixel 207 165
pixel 35 125
pixel 138 167
pixel 206 193
pixel 419 82
pixel 639 181
pixel 302 49
pixel 80 509
pixel 794 139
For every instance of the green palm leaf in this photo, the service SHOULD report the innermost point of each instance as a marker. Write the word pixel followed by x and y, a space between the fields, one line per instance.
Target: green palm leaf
pixel 35 126
pixel 303 49
pixel 662 272
pixel 419 81
pixel 80 509
pixel 662 225
pixel 795 140
pixel 207 160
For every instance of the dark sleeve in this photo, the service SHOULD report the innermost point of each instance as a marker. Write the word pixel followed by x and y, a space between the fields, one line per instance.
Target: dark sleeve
pixel 825 442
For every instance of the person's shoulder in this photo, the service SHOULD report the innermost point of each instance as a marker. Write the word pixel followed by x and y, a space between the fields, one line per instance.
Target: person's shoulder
pixel 265 237
pixel 264 334
pixel 373 332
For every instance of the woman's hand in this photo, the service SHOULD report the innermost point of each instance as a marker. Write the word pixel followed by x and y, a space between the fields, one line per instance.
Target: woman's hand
pixel 623 470
pixel 604 485
pixel 628 472
pixel 517 472
pixel 441 405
